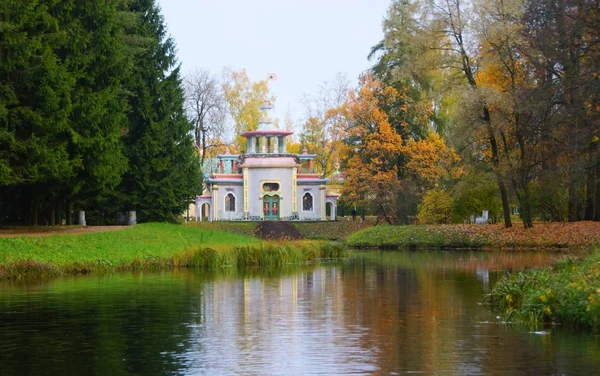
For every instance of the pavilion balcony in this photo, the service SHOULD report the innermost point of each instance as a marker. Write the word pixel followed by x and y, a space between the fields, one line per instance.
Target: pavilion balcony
pixel 307 170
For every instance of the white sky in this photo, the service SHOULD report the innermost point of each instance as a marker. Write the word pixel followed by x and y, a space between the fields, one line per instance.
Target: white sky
pixel 305 42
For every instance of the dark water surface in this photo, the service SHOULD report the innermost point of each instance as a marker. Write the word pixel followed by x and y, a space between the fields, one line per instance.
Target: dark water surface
pixel 380 313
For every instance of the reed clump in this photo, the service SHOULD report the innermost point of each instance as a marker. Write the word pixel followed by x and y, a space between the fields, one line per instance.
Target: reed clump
pixel 263 254
pixel 24 269
pixel 567 293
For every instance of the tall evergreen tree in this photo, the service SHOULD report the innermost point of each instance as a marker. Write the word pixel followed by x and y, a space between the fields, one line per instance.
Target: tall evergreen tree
pixel 35 105
pixel 97 58
pixel 163 172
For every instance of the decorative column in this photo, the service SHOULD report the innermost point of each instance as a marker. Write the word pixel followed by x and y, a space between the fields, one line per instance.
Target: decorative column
pixel 310 166
pixel 246 203
pixel 264 144
pixel 215 202
pixel 275 144
pixel 323 203
pixel 294 190
pixel 222 166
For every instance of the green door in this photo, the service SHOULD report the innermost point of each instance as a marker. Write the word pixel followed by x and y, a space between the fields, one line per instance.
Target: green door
pixel 271 207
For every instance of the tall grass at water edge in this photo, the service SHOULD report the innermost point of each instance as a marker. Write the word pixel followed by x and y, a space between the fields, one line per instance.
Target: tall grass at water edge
pixel 567 293
pixel 263 254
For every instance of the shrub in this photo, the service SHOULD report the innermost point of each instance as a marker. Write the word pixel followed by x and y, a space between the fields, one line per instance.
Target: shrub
pixel 435 208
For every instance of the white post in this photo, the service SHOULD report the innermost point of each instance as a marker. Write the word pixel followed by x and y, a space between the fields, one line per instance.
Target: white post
pixel 81 218
pixel 131 218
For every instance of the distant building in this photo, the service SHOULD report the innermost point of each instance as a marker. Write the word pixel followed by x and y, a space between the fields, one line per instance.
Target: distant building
pixel 266 183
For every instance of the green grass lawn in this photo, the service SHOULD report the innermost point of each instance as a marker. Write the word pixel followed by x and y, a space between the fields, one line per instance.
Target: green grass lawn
pixel 336 231
pixel 152 246
pixel 410 236
pixel 137 242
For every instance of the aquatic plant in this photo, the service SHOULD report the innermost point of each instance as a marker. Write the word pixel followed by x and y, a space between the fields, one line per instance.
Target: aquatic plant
pixel 566 293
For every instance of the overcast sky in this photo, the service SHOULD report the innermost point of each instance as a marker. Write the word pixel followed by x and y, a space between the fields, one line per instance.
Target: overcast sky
pixel 305 42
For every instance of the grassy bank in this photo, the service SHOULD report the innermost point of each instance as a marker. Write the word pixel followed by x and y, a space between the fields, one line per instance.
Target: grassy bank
pixel 238 228
pixel 567 293
pixel 148 246
pixel 412 236
pixel 335 231
pixel 542 235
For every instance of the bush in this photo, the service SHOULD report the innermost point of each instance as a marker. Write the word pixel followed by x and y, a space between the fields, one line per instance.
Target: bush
pixel 435 208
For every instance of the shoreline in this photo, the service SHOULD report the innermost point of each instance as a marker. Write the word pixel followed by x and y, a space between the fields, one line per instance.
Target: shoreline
pixel 153 246
pixel 551 236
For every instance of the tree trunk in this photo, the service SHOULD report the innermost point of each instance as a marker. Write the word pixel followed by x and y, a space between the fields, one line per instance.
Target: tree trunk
pixel 573 202
pixel 34 219
pixel 52 214
pixel 597 209
pixel 589 196
pixel 524 177
pixel 496 164
pixel 69 212
pixel 526 214
pixel 58 212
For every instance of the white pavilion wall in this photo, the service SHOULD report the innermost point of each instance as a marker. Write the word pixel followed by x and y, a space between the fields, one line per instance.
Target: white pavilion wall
pixel 315 191
pixel 257 176
pixel 238 192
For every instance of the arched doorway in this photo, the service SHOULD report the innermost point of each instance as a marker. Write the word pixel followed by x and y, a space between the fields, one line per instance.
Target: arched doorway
pixel 205 211
pixel 330 211
pixel 271 207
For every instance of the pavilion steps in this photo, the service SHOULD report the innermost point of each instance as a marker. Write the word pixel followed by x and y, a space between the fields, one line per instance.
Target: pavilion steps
pixel 277 230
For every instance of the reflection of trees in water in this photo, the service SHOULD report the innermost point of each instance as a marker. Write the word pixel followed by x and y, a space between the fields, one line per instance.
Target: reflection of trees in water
pixel 422 314
pixel 464 260
pixel 386 312
pixel 106 325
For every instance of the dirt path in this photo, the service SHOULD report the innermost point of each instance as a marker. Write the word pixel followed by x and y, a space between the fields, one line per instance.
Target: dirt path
pixel 11 232
pixel 273 230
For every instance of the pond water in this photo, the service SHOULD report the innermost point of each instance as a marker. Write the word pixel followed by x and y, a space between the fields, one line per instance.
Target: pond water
pixel 376 313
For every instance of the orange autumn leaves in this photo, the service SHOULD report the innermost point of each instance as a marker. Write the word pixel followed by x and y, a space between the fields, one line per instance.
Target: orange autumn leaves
pixel 431 159
pixel 378 157
pixel 374 146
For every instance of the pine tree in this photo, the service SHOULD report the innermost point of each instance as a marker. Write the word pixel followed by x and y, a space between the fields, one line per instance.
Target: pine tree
pixel 35 106
pixel 163 172
pixel 98 59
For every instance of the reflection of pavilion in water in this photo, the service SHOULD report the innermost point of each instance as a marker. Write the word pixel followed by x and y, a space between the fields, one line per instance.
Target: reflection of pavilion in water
pixel 266 182
pixel 294 312
pixel 404 312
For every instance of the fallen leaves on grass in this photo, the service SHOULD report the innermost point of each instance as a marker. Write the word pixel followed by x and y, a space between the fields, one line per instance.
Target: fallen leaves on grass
pixel 556 235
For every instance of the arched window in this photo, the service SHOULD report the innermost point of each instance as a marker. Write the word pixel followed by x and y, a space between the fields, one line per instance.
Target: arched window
pixel 230 202
pixel 307 202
